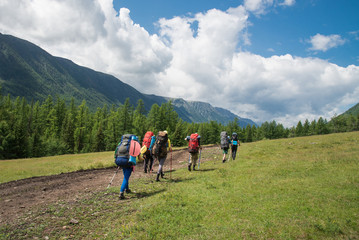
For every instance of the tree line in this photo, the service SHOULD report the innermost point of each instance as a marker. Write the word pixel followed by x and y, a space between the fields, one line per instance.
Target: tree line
pixel 52 128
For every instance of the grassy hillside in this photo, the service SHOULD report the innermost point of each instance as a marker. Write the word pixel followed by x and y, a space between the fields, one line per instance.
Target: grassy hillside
pixel 301 188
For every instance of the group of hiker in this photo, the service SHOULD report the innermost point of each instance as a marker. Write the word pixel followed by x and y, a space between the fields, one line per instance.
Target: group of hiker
pixel 157 147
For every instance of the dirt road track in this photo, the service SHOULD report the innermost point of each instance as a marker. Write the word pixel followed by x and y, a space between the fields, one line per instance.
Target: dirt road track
pixel 19 197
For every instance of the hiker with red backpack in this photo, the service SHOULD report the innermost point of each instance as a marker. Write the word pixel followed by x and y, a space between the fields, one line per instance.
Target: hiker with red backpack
pixel 159 151
pixel 148 141
pixel 194 145
pixel 224 144
pixel 125 158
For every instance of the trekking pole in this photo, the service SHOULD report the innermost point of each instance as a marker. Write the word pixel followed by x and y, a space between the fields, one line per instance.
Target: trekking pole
pixel 171 166
pixel 199 160
pixel 113 177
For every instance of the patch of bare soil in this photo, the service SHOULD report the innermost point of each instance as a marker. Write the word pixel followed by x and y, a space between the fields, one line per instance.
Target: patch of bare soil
pixel 19 197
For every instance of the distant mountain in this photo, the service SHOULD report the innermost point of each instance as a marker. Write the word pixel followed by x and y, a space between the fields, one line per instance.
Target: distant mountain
pixel 28 71
pixel 204 112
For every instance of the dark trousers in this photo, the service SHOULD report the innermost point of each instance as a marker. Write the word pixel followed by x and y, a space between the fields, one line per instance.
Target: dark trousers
pixel 234 152
pixel 148 161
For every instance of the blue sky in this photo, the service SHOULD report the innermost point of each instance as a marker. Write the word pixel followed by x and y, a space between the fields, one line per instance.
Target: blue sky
pixel 282 60
pixel 279 31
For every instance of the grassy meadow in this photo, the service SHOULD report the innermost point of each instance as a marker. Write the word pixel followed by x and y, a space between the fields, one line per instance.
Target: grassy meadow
pixel 298 188
pixel 16 169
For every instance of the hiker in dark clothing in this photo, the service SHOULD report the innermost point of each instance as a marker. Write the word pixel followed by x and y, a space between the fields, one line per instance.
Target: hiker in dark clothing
pixel 159 150
pixel 148 141
pixel 194 145
pixel 225 141
pixel 234 145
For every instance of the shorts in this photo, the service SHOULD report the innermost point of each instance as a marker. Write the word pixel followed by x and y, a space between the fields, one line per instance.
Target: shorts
pixel 225 150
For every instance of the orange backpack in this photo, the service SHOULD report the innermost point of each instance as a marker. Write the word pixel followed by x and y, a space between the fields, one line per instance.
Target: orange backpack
pixel 193 143
pixel 147 139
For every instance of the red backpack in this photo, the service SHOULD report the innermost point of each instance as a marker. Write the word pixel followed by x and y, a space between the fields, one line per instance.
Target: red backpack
pixel 147 139
pixel 193 143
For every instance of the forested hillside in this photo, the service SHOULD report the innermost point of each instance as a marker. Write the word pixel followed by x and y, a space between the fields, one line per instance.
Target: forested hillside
pixel 51 127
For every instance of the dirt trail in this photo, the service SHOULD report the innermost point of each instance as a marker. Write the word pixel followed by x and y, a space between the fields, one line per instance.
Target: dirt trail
pixel 19 197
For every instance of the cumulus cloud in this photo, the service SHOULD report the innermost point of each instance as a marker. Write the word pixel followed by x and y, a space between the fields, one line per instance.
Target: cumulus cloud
pixel 323 43
pixel 287 3
pixel 288 89
pixel 89 32
pixel 260 7
pixel 195 57
pixel 257 6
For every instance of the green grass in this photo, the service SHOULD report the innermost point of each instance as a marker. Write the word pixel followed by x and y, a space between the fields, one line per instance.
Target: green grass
pixel 301 188
pixel 25 168
pixel 16 169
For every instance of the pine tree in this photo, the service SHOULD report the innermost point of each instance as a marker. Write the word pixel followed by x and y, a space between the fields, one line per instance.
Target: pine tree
pixel 306 128
pixel 112 129
pixel 139 119
pixel 80 129
pixel 36 141
pixel 322 126
pixel 299 129
pixel 249 136
pixel 178 135
pixel 126 117
pixel 153 118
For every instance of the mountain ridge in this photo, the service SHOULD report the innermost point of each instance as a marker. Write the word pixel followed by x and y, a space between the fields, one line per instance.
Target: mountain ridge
pixel 27 70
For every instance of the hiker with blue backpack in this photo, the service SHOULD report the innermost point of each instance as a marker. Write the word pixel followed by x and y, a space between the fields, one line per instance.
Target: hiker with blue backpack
pixel 225 141
pixel 159 151
pixel 194 146
pixel 234 145
pixel 125 158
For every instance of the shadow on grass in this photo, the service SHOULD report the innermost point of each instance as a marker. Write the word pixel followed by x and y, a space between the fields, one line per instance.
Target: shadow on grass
pixel 148 194
pixel 168 179
pixel 178 180
pixel 205 170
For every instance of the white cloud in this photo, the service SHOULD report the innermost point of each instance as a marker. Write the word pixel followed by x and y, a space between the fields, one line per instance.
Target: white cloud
pixel 203 64
pixel 257 6
pixel 287 3
pixel 323 43
pixel 286 89
pixel 260 7
pixel 89 33
pixel 354 34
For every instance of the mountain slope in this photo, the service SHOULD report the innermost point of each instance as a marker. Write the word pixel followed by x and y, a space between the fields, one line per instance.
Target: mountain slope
pixel 352 111
pixel 204 112
pixel 28 71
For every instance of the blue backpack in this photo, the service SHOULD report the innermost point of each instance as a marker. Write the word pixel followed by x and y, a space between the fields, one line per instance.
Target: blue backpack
pixel 234 139
pixel 122 156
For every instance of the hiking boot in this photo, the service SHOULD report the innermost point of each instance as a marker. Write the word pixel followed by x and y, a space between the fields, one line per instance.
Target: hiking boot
pixel 194 168
pixel 189 167
pixel 162 174
pixel 122 196
pixel 128 191
pixel 223 160
pixel 158 177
